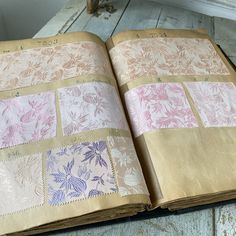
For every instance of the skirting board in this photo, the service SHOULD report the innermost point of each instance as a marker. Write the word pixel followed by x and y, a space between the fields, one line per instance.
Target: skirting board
pixel 204 6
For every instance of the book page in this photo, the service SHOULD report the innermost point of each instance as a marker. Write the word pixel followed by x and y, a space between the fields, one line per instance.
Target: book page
pixel 65 146
pixel 180 95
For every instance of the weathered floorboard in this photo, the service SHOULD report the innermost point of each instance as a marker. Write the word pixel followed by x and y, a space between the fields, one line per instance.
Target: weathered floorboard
pixel 194 224
pixel 139 15
pixel 224 29
pixel 63 19
pixel 176 18
pixel 103 22
pixel 225 36
pixel 225 218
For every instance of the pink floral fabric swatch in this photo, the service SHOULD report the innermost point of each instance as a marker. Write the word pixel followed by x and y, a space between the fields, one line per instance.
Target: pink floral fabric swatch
pixel 156 106
pixel 27 119
pixel 215 101
pixel 90 106
pixel 128 172
pixel 165 56
pixel 41 65
pixel 21 183
pixel 79 171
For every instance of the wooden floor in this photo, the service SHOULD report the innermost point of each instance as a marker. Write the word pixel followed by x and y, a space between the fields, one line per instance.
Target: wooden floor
pixel 120 15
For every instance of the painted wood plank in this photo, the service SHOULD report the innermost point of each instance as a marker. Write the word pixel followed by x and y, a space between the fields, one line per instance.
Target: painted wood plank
pixel 103 21
pixel 228 46
pixel 177 18
pixel 194 224
pixel 225 218
pixel 225 29
pixel 225 36
pixel 139 15
pixel 63 19
pixel 233 59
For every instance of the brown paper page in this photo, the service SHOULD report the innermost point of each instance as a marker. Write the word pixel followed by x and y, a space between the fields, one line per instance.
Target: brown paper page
pixel 66 153
pixel 180 95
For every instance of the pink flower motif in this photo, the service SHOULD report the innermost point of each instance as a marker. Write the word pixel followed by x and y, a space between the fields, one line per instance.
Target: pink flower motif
pixel 27 118
pixel 161 105
pixel 148 57
pixel 11 134
pixel 215 101
pixel 90 106
pixel 41 65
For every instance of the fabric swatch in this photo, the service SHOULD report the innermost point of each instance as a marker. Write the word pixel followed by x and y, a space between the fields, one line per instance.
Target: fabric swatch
pixel 90 106
pixel 41 65
pixel 156 106
pixel 129 176
pixel 165 56
pixel 215 101
pixel 79 171
pixel 21 183
pixel 27 119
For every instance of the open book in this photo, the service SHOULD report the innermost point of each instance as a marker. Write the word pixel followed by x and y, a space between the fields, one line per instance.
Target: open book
pixel 67 155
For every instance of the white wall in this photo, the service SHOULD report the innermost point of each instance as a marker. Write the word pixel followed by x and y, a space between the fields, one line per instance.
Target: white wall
pixel 220 8
pixel 23 18
pixel 229 3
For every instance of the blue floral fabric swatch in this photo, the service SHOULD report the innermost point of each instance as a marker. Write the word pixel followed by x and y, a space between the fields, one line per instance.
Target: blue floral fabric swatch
pixel 79 171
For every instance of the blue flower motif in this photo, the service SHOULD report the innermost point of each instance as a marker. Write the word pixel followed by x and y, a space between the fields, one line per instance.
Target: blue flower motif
pixel 68 181
pixel 95 151
pixel 57 198
pixel 82 170
pixel 64 177
pixel 79 186
pixel 94 193
pixel 99 179
pixel 76 148
pixel 74 177
pixel 62 152
pixel 51 161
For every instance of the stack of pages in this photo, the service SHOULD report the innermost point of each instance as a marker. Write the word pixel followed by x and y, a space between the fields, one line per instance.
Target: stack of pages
pixel 93 131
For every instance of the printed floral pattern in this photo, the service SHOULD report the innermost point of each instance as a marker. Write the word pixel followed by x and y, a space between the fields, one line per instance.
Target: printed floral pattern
pixel 90 106
pixel 41 65
pixel 130 179
pixel 21 184
pixel 156 106
pixel 165 56
pixel 215 101
pixel 27 119
pixel 79 171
